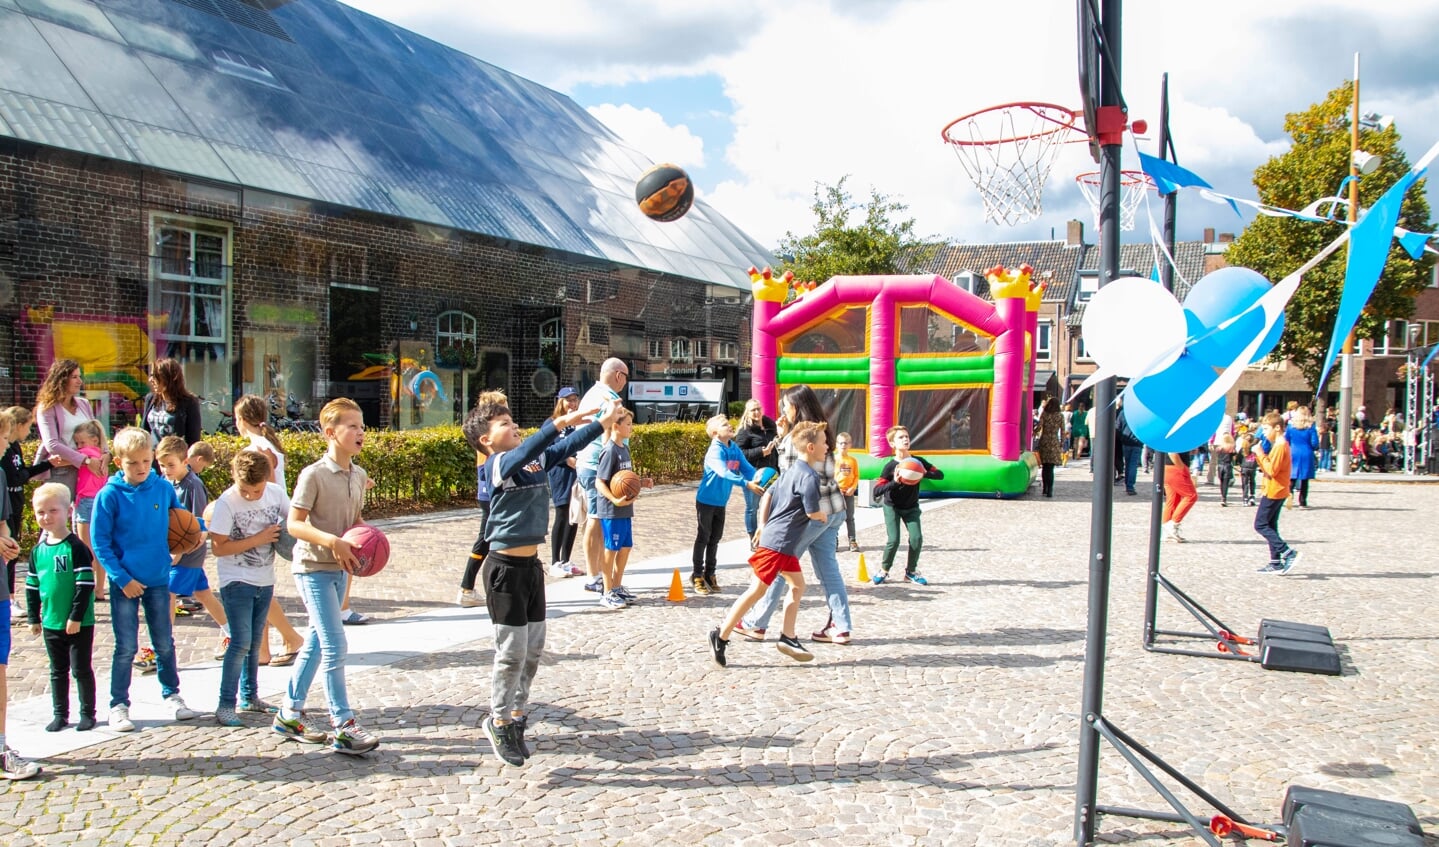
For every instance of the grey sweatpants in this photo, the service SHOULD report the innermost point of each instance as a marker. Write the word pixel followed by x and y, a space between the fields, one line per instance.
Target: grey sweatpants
pixel 515 598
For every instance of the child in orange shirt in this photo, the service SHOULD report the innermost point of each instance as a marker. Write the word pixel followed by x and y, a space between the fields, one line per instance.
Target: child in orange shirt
pixel 846 474
pixel 1275 464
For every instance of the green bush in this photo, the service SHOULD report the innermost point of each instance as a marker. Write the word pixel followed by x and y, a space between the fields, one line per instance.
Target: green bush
pixel 430 469
pixel 735 409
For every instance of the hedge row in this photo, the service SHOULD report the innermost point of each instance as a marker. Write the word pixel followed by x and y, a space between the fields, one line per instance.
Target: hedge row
pixel 427 469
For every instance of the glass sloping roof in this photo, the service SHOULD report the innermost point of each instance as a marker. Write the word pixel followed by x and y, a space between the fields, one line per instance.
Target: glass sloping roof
pixel 313 99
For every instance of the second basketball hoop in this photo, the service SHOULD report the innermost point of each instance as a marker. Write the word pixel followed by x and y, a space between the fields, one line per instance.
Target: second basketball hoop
pixel 1132 185
pixel 1008 151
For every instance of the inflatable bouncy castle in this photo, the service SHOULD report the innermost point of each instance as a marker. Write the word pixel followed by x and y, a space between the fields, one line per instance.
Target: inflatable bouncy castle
pixel 955 369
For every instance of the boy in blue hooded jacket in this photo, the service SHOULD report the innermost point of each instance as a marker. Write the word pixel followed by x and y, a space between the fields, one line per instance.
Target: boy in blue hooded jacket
pixel 725 467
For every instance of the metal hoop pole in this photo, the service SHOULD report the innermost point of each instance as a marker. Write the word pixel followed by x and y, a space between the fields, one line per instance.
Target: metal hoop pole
pixel 1101 541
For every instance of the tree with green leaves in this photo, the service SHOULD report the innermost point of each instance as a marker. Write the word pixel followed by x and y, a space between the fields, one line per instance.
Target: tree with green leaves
pixel 1313 168
pixel 849 238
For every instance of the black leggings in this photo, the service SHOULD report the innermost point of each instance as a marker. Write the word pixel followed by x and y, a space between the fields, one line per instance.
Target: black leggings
pixel 478 552
pixel 1046 478
pixel 1301 490
pixel 562 534
pixel 70 654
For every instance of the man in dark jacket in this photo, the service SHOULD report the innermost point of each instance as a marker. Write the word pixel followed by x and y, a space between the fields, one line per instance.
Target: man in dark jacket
pixel 1130 448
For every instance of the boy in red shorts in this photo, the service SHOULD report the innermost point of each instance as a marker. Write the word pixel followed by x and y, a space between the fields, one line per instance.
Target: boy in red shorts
pixel 794 502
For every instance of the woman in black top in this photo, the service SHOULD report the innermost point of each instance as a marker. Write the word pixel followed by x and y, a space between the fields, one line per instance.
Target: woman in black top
pixel 757 439
pixel 170 408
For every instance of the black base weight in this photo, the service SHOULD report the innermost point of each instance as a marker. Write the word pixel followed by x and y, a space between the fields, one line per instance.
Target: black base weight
pixel 1319 818
pixel 1304 648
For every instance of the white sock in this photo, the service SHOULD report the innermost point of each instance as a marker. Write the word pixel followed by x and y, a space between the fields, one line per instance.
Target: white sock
pixel 2 742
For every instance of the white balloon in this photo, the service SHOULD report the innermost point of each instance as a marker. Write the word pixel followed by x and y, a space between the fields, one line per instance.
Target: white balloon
pixel 1133 327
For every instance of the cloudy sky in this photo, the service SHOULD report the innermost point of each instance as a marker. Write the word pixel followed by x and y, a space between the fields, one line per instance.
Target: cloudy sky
pixel 760 100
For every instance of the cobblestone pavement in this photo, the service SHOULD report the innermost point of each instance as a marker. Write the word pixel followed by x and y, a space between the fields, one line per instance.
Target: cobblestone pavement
pixel 950 720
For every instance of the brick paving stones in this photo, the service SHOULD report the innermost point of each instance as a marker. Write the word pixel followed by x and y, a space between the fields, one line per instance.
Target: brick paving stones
pixel 950 720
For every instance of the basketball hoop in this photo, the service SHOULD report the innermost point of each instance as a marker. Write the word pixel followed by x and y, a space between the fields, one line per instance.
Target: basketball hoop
pixel 1008 151
pixel 1132 185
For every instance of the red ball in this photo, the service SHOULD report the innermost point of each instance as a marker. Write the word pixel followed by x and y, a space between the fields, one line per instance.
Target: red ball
pixel 371 547
pixel 909 471
pixel 664 193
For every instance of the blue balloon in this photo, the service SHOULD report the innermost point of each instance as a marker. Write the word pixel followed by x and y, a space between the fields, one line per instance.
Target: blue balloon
pixel 1154 403
pixel 1216 298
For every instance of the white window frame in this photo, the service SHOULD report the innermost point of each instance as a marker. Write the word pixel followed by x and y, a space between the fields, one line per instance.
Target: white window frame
pixel 456 326
pixel 701 348
pixel 1080 354
pixel 552 334
pixel 195 282
pixel 1385 345
pixel 725 351
pixel 1044 342
pixel 680 349
pixel 657 348
pixel 1088 286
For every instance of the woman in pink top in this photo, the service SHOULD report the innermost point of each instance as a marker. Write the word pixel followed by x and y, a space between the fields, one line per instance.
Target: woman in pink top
pixel 59 408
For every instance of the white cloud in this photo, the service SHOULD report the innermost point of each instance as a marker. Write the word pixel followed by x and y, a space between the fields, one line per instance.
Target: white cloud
pixel 646 131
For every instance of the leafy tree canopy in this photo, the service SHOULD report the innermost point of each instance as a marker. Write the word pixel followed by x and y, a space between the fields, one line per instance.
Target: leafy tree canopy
pixel 1314 166
pixel 849 239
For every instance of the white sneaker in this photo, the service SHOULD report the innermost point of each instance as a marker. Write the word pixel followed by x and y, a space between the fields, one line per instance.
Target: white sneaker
pixel 14 767
pixel 468 599
pixel 561 570
pixel 120 719
pixel 182 712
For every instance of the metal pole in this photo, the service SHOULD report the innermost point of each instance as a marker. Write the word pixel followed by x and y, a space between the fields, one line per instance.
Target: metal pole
pixel 1161 460
pixel 1346 372
pixel 1102 509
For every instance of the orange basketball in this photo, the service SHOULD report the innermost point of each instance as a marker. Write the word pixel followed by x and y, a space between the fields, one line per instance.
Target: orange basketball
pixel 625 484
pixel 184 531
pixel 664 193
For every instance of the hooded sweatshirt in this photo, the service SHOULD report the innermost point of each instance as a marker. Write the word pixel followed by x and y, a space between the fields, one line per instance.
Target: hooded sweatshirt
pixel 129 529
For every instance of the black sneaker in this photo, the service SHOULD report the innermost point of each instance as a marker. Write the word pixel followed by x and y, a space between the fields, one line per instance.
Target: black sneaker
pixel 793 648
pixel 502 739
pixel 521 725
pixel 717 646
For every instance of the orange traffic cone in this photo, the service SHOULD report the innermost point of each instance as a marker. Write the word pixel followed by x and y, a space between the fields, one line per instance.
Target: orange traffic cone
pixel 677 588
pixel 863 574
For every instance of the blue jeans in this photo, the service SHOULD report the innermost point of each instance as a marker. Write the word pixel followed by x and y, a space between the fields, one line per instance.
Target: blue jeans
pixel 1132 457
pixel 819 540
pixel 246 606
pixel 325 645
pixel 751 511
pixel 125 621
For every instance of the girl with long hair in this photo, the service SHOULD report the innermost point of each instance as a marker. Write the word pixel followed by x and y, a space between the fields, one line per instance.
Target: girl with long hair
pixel 59 408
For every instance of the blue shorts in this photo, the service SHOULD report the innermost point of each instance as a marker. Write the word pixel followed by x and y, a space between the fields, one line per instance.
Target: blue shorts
pixel 4 633
pixel 617 533
pixel 83 507
pixel 586 480
pixel 184 582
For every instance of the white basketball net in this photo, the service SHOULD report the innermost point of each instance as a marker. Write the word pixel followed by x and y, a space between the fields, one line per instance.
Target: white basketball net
pixel 1132 185
pixel 1008 153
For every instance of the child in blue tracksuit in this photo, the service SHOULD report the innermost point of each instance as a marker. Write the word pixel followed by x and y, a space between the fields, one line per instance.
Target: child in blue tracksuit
pixel 514 579
pixel 129 529
pixel 725 467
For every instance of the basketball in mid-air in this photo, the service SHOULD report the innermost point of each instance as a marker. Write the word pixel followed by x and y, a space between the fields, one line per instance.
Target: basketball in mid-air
pixel 664 193
pixel 909 471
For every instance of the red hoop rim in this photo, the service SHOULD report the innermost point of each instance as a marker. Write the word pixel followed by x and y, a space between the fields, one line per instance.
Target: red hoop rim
pixel 1065 119
pixel 1128 178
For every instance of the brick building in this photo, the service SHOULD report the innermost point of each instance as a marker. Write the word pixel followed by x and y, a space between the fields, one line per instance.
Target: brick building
pixel 302 201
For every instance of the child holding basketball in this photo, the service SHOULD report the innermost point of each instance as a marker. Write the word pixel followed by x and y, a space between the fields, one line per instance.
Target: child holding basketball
pixel 513 577
pixel 794 503
pixel 725 467
pixel 187 574
pixel 130 525
pixel 60 588
pixel 900 499
pixel 243 532
pixel 328 498
pixel 616 513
